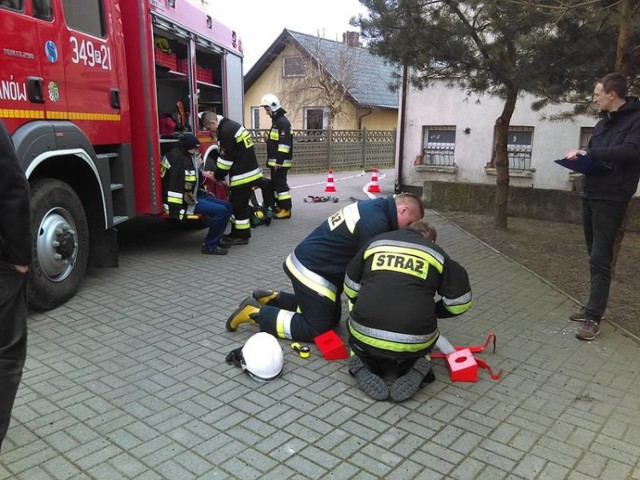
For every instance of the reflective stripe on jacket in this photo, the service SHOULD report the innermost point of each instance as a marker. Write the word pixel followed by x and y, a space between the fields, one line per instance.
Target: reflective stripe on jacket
pixel 237 156
pixel 391 285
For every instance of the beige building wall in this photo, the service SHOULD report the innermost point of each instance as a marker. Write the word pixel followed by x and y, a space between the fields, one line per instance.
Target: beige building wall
pixel 379 119
pixel 272 81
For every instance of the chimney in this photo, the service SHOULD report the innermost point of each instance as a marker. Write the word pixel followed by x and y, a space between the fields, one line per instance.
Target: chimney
pixel 352 39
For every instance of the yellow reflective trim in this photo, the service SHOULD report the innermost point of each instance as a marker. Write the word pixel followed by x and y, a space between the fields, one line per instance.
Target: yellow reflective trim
pixel 350 292
pixel 389 249
pixel 400 263
pixel 19 113
pixel 174 200
pixel 458 309
pixel 274 135
pixel 58 115
pixel 392 346
pixel 316 287
pixel 245 137
pixel 235 181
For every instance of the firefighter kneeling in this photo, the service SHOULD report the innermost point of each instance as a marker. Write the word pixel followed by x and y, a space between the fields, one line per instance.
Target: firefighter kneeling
pixel 393 320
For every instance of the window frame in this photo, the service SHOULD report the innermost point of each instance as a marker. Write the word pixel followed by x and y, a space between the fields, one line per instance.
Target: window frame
pixel 305 119
pixel 301 64
pixel 103 20
pixel 439 154
pixel 19 9
pixel 255 118
pixel 37 14
pixel 519 154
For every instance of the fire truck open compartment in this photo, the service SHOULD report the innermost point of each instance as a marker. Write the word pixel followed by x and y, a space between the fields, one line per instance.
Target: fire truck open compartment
pixel 209 79
pixel 173 79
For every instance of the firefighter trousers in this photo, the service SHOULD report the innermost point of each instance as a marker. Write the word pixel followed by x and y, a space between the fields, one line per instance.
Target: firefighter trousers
pixel 239 197
pixel 281 188
pixel 300 316
pixel 13 339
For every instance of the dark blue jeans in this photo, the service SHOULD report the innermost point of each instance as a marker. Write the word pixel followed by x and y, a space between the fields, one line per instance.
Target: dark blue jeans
pixel 13 339
pixel 218 213
pixel 601 220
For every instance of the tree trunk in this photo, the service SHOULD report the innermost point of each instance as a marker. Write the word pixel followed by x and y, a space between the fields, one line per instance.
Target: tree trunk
pixel 624 30
pixel 501 132
pixel 622 66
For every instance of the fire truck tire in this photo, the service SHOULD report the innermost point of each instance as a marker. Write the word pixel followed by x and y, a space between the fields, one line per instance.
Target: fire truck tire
pixel 60 243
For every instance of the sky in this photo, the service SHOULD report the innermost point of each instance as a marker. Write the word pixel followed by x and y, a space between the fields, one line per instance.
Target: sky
pixel 259 22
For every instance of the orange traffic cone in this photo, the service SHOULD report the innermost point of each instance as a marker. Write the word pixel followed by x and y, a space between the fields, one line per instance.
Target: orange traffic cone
pixel 373 185
pixel 331 187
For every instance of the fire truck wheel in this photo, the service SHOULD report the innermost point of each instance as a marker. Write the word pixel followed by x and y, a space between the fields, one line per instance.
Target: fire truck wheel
pixel 60 243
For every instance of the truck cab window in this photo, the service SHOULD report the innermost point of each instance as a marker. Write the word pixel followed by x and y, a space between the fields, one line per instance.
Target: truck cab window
pixel 42 9
pixel 85 15
pixel 12 4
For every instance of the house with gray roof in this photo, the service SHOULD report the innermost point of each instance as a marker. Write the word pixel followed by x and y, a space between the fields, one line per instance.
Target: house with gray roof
pixel 323 82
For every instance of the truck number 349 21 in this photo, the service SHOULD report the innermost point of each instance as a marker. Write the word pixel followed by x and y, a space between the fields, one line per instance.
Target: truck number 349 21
pixel 85 52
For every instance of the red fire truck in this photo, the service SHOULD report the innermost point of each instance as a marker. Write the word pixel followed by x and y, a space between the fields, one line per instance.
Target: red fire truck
pixel 85 86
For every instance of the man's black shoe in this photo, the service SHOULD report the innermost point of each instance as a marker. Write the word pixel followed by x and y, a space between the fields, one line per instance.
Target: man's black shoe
pixel 214 251
pixel 230 241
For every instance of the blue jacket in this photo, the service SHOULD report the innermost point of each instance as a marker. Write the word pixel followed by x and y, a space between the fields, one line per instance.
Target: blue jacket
pixel 330 247
pixel 615 141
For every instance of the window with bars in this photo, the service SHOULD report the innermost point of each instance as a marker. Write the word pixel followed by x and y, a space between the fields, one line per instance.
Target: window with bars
pixel 519 147
pixel 293 67
pixel 438 145
pixel 585 135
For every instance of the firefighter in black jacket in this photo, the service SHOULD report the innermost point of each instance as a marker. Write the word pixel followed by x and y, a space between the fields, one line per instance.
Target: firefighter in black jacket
pixel 391 284
pixel 317 266
pixel 15 257
pixel 236 158
pixel 182 196
pixel 279 153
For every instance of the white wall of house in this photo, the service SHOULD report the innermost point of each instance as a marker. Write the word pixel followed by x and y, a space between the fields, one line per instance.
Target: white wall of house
pixel 442 106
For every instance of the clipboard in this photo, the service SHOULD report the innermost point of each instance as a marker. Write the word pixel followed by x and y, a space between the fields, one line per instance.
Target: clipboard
pixel 584 164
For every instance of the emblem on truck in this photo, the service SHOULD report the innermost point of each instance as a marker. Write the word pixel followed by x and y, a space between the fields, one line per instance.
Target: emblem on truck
pixel 51 50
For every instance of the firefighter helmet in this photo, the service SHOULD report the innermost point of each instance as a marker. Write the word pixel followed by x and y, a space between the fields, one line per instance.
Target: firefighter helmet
pixel 271 101
pixel 262 357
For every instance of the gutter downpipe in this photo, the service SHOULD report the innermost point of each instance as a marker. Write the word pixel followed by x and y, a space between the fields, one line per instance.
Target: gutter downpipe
pixel 403 114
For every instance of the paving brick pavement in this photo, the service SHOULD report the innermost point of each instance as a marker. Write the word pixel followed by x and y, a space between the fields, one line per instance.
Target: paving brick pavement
pixel 128 380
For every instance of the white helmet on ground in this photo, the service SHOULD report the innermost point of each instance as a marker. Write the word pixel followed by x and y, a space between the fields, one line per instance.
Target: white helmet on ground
pixel 271 101
pixel 262 357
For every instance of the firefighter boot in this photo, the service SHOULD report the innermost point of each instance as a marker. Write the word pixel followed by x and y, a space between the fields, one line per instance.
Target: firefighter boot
pixel 369 382
pixel 265 297
pixel 247 312
pixel 408 384
pixel 281 213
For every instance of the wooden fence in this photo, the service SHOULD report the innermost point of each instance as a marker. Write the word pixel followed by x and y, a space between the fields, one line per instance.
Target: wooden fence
pixel 320 150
